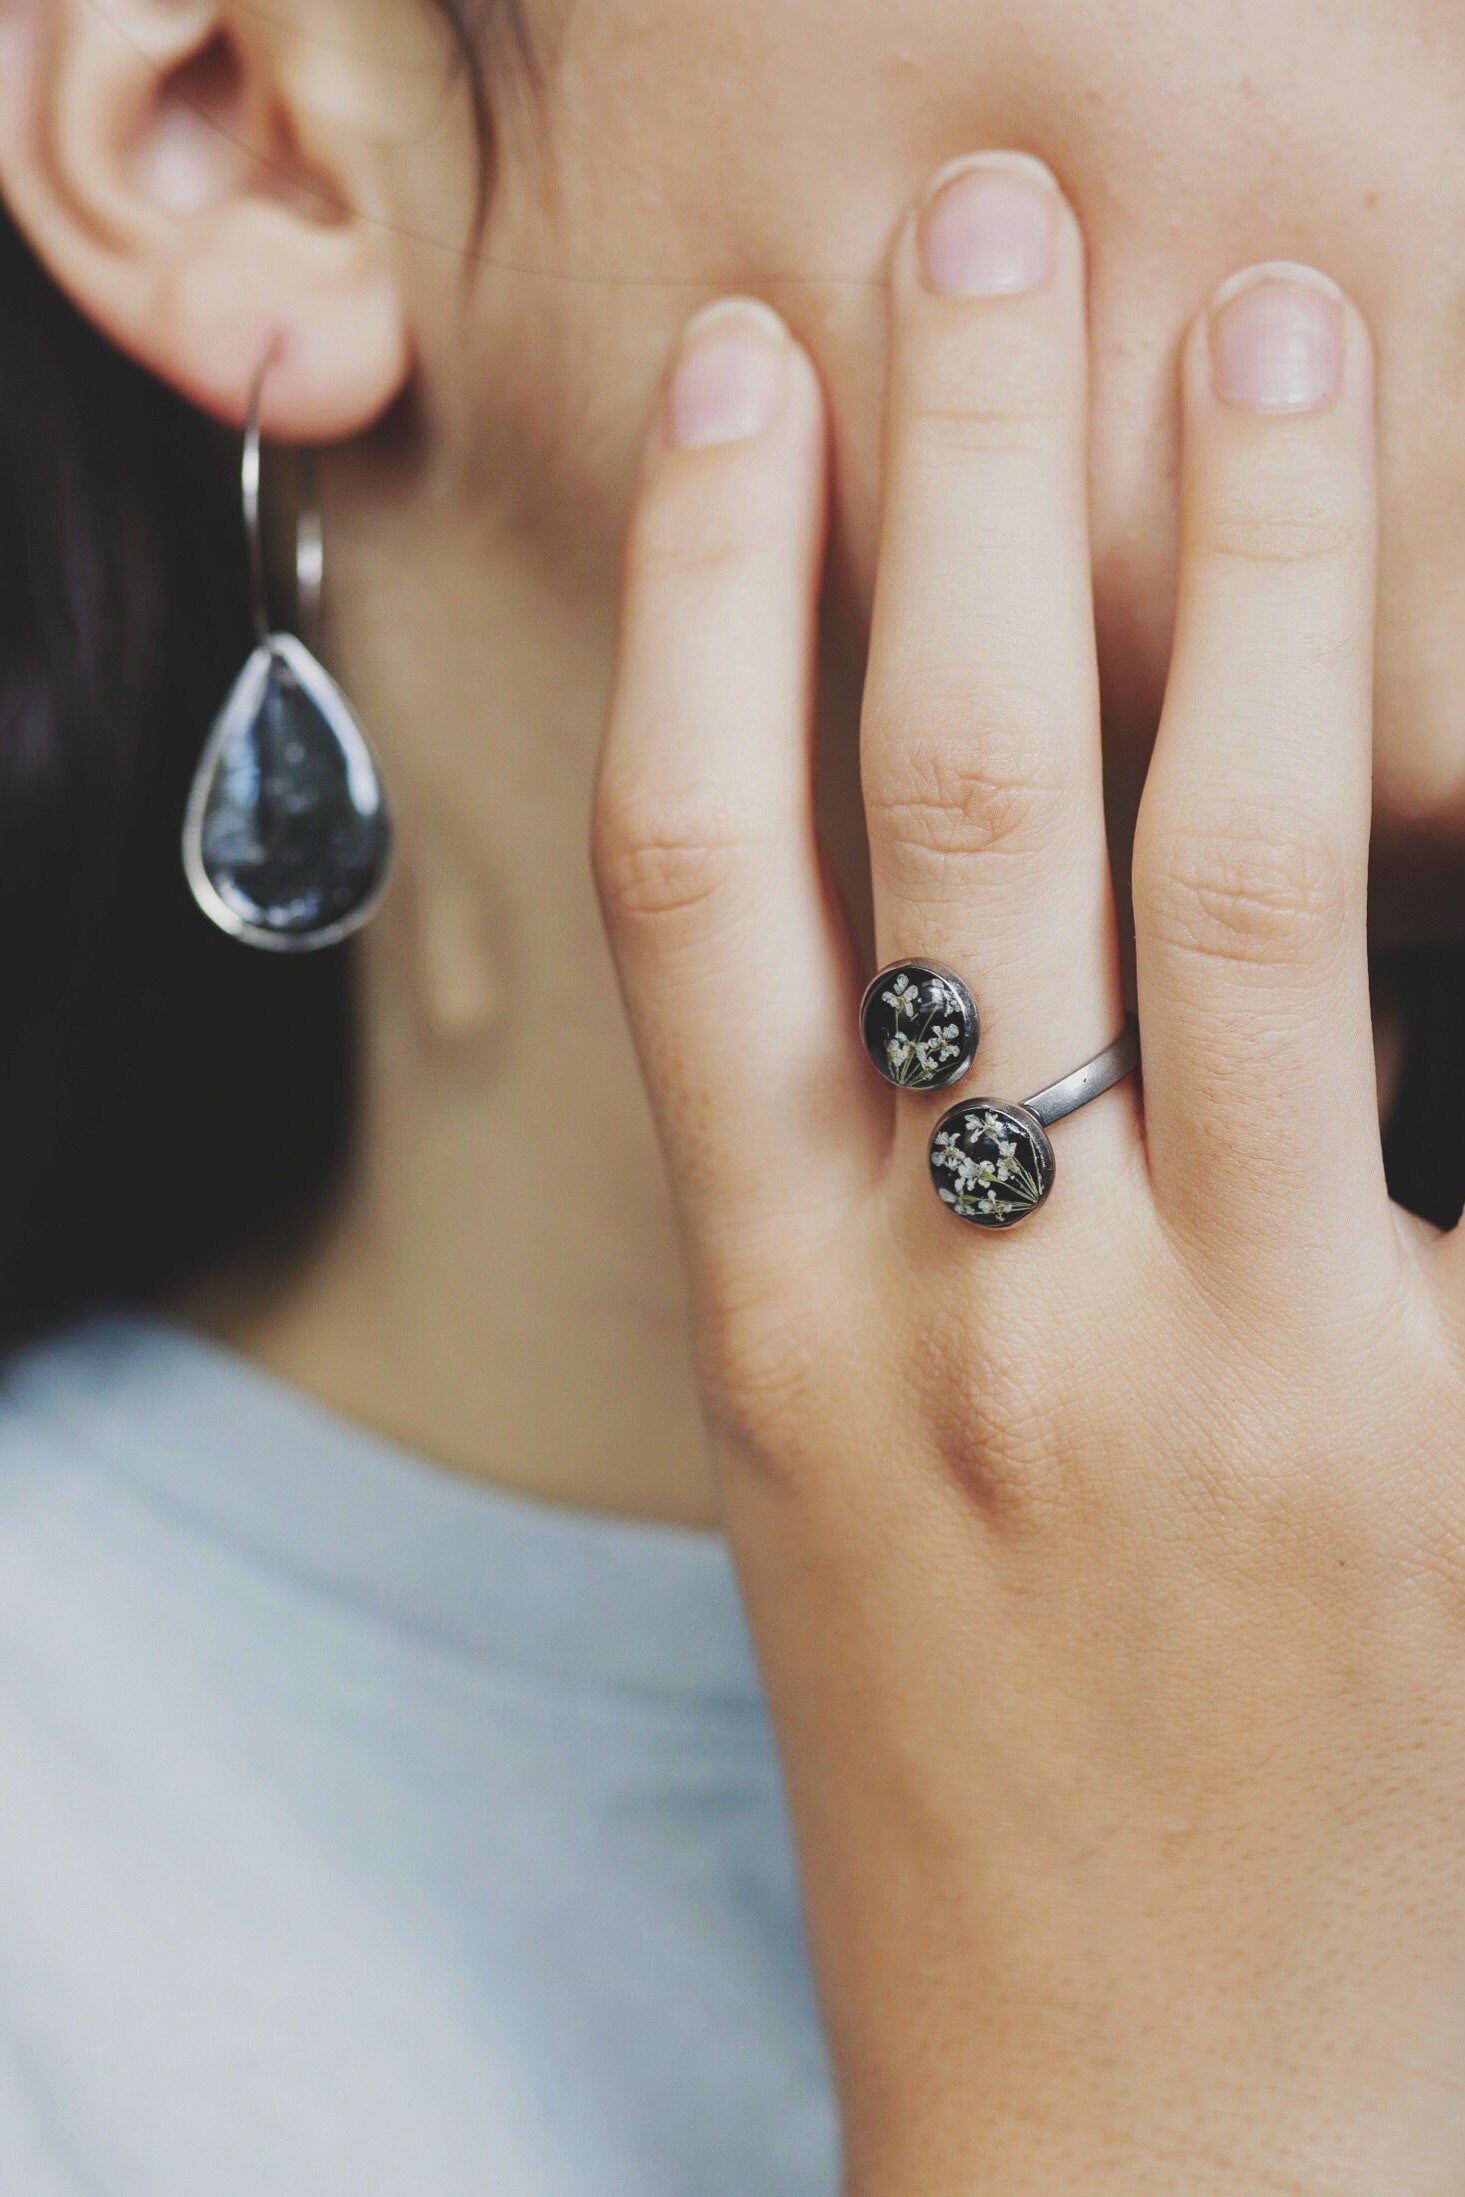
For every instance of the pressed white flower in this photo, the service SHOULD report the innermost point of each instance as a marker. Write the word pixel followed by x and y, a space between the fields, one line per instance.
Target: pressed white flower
pixel 947 1152
pixel 898 1051
pixel 987 1125
pixel 995 1177
pixel 904 997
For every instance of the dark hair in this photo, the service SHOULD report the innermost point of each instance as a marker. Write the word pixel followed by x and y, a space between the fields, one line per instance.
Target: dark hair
pixel 168 1098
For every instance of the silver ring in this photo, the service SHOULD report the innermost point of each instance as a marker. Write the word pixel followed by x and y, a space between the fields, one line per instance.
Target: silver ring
pixel 993 1164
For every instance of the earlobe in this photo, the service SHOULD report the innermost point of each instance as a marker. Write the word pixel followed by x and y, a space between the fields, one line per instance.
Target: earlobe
pixel 154 159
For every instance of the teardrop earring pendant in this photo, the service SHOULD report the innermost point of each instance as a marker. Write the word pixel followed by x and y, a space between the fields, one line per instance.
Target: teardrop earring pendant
pixel 286 836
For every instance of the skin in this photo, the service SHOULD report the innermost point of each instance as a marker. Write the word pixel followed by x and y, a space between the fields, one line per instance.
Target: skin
pixel 315 192
pixel 1107 1577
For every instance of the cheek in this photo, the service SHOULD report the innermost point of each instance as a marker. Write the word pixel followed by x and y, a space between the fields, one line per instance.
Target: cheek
pixel 1421 639
pixel 1419 782
pixel 554 429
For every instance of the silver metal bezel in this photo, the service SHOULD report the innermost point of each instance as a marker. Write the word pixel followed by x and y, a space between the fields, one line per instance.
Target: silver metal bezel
pixel 239 706
pixel 971 1015
pixel 1032 1127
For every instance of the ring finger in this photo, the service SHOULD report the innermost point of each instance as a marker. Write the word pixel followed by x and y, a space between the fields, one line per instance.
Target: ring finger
pixel 1251 857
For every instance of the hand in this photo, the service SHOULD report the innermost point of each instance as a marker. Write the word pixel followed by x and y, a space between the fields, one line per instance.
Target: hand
pixel 1108 1574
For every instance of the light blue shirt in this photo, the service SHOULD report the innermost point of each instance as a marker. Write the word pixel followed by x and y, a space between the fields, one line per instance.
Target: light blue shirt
pixel 366 1833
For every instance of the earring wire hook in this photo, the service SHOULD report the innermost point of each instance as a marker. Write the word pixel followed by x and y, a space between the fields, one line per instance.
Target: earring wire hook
pixel 309 534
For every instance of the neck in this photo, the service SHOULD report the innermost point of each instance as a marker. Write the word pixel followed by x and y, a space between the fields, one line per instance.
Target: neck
pixel 497 1283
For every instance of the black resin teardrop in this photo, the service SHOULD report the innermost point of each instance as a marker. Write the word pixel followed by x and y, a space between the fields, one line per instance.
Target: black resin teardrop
pixel 286 839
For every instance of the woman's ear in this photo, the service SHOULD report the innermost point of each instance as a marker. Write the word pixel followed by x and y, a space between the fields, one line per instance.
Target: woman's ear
pixel 190 181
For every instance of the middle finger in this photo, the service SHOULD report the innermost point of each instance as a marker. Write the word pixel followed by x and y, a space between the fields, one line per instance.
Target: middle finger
pixel 980 743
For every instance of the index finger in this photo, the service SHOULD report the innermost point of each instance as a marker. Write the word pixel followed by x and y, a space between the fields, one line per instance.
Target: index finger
pixel 728 945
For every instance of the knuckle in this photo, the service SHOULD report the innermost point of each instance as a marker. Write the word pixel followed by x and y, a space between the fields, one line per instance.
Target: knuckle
pixel 759 1353
pixel 655 860
pixel 963 795
pixel 1435 1560
pixel 687 551
pixel 983 384
pixel 986 428
pixel 994 1407
pixel 755 1404
pixel 1255 887
pixel 687 529
pixel 1247 530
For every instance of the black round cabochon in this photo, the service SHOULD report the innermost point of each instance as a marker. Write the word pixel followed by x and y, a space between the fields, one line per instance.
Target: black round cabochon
pixel 993 1165
pixel 920 1026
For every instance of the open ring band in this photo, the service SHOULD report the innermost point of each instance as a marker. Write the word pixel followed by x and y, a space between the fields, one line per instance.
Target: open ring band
pixel 1089 1082
pixel 993 1165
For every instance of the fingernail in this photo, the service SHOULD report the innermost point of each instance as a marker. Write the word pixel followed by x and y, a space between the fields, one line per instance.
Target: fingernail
pixel 989 227
pixel 1277 339
pixel 727 383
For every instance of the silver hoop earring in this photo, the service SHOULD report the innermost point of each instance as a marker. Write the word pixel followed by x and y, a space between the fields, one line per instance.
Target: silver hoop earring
pixel 286 836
